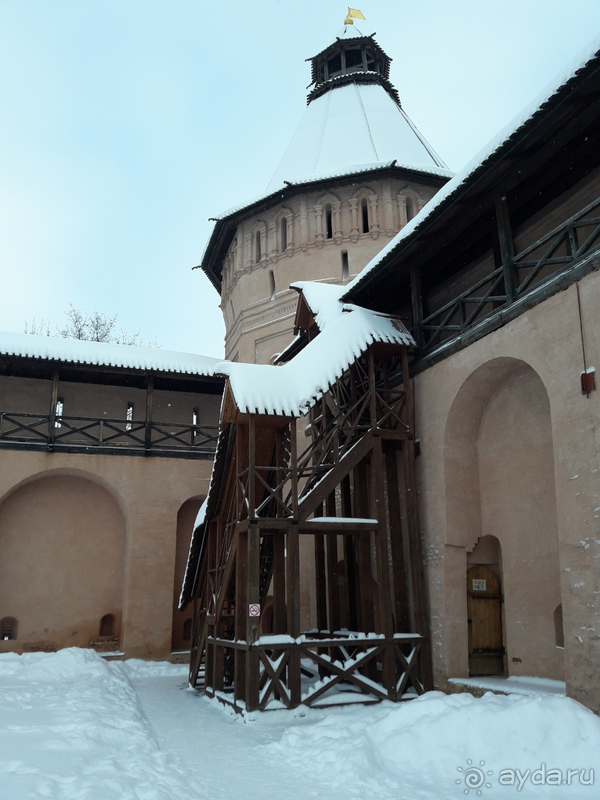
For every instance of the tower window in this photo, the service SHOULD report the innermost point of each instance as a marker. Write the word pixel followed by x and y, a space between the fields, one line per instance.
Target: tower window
pixel 353 59
pixel 129 416
pixel 334 64
pixel 257 246
pixel 8 628
pixel 107 625
pixel 187 630
pixel 345 268
pixel 328 222
pixel 272 284
pixel 365 215
pixel 558 626
pixel 410 209
pixel 283 235
pixel 60 404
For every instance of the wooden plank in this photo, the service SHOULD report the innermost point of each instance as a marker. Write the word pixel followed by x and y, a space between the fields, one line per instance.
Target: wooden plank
pixel 252 466
pixel 363 547
pixel 505 240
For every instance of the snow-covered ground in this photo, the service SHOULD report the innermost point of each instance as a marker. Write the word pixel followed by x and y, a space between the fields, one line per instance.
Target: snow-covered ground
pixel 74 727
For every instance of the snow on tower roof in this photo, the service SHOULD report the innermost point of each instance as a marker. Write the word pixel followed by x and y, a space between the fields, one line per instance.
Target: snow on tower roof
pixel 350 125
pixel 74 351
pixel 289 390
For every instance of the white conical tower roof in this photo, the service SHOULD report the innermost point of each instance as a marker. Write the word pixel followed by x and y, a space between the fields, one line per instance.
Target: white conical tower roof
pixel 354 120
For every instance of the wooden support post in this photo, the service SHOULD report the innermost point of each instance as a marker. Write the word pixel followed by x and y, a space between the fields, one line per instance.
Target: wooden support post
pixel 333 595
pixel 416 560
pixel 241 613
pixel 293 609
pixel 396 537
pixel 416 299
pixel 320 576
pixel 251 466
pixel 253 621
pixel 350 556
pixel 294 464
pixel 279 604
pixel 366 620
pixel 52 415
pixel 383 565
pixel 507 253
pixel 149 404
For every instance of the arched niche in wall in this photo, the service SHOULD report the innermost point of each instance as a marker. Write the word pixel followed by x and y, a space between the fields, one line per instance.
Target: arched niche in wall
pixel 186 517
pixel 363 206
pixel 328 218
pixel 62 553
pixel 499 476
pixel 284 230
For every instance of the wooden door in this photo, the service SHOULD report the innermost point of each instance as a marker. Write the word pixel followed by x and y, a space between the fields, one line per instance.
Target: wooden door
pixel 484 608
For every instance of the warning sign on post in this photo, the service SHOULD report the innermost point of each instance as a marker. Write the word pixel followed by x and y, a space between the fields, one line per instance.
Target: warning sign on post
pixel 254 610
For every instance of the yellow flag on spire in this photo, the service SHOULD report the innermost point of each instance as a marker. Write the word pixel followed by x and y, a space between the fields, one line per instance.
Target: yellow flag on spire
pixel 353 13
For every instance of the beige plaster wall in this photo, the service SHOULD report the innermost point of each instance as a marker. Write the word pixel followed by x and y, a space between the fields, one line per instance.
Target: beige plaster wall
pixel 259 324
pixel 133 501
pixel 545 341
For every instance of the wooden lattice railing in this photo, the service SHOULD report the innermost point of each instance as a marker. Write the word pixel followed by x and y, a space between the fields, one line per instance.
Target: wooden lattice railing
pixel 43 431
pixel 550 255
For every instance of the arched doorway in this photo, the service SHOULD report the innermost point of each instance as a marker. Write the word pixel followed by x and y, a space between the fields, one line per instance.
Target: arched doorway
pixel 62 547
pixel 484 608
pixel 499 468
pixel 181 632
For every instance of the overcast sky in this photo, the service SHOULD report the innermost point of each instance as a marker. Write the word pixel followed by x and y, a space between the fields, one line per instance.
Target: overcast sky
pixel 126 124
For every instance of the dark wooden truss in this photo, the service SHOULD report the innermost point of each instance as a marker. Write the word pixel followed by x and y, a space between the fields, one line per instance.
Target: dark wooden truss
pixel 336 520
pixel 515 276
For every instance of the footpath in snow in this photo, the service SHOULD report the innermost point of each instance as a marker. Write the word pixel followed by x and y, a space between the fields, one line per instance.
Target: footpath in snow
pixel 73 727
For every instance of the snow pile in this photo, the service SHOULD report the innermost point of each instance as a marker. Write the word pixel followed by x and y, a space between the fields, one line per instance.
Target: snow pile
pixel 71 727
pixel 291 389
pixel 430 746
pixel 75 351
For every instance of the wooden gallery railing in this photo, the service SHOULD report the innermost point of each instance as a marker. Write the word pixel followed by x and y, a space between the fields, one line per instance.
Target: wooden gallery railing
pixel 309 586
pixel 515 275
pixel 102 435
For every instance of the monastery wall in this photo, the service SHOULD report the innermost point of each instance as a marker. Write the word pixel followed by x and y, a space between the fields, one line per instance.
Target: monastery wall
pixel 85 536
pixel 509 451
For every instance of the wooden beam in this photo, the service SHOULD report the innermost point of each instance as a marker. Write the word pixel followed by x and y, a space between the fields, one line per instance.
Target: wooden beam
pixel 506 246
pixel 149 404
pixel 52 415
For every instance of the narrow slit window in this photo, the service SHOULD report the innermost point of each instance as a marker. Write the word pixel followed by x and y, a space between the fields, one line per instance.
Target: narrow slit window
pixel 272 284
pixel 328 222
pixel 559 634
pixel 345 267
pixel 129 417
pixel 60 404
pixel 258 247
pixel 410 209
pixel 284 242
pixel 8 628
pixel 187 630
pixel 365 215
